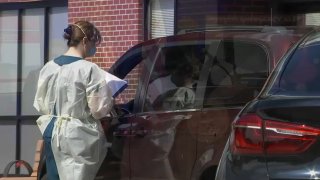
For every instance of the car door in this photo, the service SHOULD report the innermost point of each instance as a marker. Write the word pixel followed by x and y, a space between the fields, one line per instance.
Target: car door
pixel 236 71
pixel 118 127
pixel 164 142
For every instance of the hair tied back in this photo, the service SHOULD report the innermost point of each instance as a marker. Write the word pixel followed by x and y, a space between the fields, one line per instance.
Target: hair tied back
pixel 68 30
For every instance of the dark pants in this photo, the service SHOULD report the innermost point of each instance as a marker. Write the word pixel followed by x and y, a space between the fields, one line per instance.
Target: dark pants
pixel 52 172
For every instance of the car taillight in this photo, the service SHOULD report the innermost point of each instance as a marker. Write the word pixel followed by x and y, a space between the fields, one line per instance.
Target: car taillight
pixel 288 138
pixel 246 137
pixel 252 136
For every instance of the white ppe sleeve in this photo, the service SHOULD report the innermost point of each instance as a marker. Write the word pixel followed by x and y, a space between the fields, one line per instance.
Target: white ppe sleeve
pixel 99 94
pixel 40 98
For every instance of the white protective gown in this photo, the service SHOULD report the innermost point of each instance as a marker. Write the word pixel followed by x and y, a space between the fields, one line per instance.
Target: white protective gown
pixel 82 97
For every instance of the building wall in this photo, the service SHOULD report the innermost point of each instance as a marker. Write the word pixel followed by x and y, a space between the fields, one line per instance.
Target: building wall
pixel 204 13
pixel 121 25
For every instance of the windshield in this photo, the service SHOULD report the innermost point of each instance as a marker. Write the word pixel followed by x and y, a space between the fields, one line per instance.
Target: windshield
pixel 300 75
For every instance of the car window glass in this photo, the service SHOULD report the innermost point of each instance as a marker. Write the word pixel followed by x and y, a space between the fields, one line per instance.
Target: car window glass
pixel 301 74
pixel 174 78
pixel 238 72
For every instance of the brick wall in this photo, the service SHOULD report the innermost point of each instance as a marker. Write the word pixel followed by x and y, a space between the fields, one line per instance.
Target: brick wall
pixel 121 25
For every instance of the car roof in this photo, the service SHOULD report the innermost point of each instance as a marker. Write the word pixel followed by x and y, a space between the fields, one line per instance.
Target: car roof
pixel 277 39
pixel 258 33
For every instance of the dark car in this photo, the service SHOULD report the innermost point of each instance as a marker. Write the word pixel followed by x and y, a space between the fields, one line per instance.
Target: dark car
pixel 276 136
pixel 190 88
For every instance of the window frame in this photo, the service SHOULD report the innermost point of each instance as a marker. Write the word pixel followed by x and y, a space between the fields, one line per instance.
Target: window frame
pixel 21 7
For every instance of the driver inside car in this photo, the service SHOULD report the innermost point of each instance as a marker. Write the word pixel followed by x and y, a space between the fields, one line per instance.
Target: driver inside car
pixel 175 90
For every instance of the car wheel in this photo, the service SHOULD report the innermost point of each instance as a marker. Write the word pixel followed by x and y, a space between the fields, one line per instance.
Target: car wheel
pixel 209 173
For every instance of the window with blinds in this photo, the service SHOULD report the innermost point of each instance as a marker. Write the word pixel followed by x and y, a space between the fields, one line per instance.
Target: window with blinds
pixel 313 19
pixel 162 18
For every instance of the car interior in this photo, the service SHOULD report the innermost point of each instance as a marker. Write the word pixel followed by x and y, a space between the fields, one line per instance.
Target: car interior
pixel 176 67
pixel 238 72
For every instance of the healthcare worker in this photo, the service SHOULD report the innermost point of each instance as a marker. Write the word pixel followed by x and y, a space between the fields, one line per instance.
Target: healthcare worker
pixel 73 94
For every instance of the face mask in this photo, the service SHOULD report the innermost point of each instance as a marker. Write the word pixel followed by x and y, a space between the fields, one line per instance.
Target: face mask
pixel 91 52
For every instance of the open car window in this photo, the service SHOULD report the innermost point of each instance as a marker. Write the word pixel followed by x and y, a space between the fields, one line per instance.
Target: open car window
pixel 237 72
pixel 174 77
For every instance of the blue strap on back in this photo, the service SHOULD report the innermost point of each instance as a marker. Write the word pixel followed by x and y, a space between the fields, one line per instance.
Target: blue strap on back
pixel 63 60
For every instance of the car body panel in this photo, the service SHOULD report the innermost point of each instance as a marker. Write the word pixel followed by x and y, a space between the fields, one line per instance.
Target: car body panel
pixel 241 167
pixel 116 164
pixel 213 130
pixel 168 136
pixel 303 111
pixel 288 115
